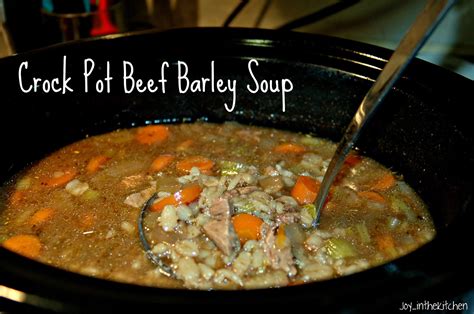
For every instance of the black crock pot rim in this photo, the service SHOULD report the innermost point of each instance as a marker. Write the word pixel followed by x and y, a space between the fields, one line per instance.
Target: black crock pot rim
pixel 51 279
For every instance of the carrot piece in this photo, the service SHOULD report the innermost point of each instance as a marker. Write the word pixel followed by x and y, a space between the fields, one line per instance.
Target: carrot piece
pixel 188 194
pixel 384 183
pixel 184 196
pixel 204 164
pixel 386 244
pixel 352 160
pixel 24 244
pixel 41 216
pixel 289 148
pixel 184 145
pixel 152 134
pixel 161 162
pixel 95 163
pixel 305 190
pixel 61 178
pixel 281 237
pixel 158 206
pixel 247 227
pixel 373 196
pixel 16 197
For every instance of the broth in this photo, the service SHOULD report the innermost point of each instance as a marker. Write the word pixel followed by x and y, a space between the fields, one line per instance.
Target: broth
pixel 233 211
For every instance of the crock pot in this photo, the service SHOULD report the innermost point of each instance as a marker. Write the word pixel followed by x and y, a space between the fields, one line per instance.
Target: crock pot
pixel 422 131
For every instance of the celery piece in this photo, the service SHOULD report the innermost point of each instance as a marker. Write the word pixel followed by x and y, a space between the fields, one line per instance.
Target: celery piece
pixel 340 248
pixel 310 141
pixel 90 195
pixel 400 205
pixel 363 232
pixel 308 213
pixel 297 169
pixel 23 183
pixel 311 209
pixel 248 207
pixel 229 168
pixel 244 206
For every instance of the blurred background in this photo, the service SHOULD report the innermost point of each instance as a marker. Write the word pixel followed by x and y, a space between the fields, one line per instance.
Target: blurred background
pixel 31 24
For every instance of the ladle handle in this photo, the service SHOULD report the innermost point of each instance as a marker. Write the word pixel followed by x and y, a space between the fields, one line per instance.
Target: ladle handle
pixel 414 39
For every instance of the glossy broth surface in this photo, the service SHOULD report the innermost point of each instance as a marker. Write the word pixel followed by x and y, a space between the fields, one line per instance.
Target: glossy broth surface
pixel 233 211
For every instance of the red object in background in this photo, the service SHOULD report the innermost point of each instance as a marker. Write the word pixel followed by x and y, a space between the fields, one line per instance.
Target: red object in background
pixel 102 24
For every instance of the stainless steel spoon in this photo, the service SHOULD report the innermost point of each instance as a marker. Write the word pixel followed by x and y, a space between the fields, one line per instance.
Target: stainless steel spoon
pixel 414 39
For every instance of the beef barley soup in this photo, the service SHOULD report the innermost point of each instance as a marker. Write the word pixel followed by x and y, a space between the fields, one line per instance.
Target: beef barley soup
pixel 234 208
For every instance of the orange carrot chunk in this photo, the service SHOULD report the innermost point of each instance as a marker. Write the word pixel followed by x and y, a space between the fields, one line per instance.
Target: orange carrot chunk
pixel 184 196
pixel 60 178
pixel 41 216
pixel 247 227
pixel 373 196
pixel 24 244
pixel 169 200
pixel 96 163
pixel 305 190
pixel 384 183
pixel 289 148
pixel 386 244
pixel 152 134
pixel 204 164
pixel 161 162
pixel 188 194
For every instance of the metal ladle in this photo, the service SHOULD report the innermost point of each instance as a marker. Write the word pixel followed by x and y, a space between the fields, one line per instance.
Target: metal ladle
pixel 155 259
pixel 414 39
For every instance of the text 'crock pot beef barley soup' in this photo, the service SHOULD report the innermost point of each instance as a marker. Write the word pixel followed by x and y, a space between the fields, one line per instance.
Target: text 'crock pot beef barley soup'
pixel 233 211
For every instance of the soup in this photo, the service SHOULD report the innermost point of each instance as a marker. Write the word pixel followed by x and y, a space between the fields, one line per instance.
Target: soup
pixel 233 208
